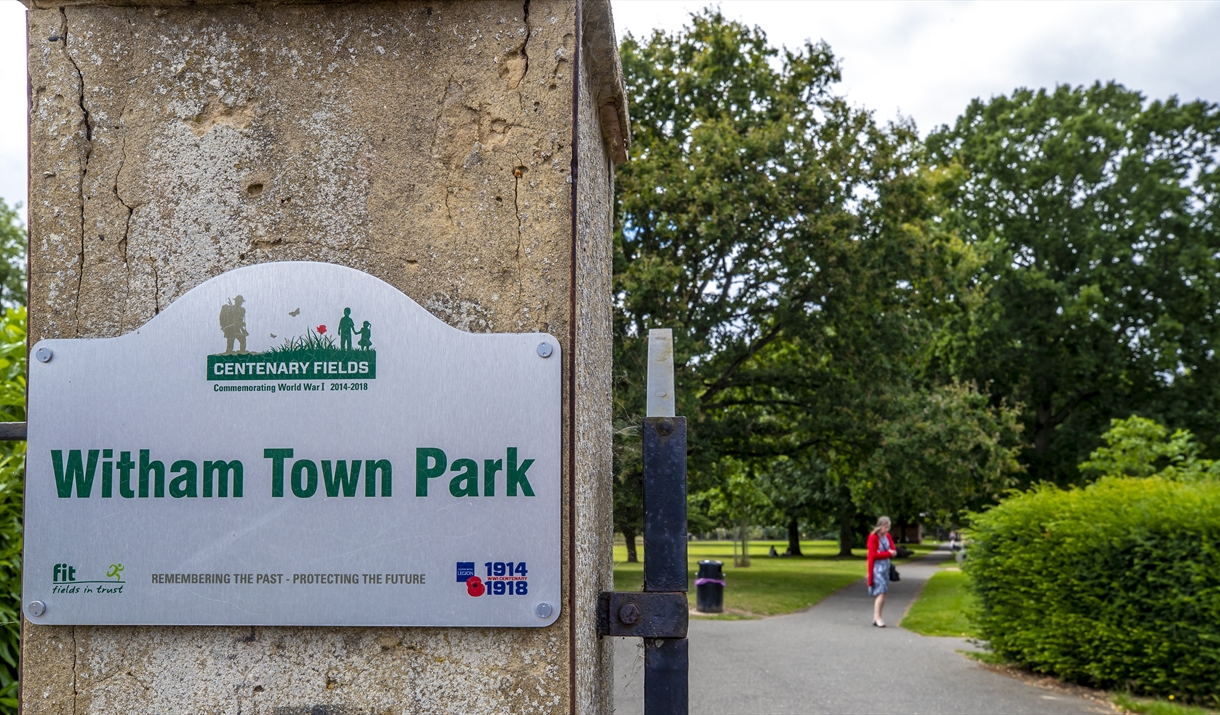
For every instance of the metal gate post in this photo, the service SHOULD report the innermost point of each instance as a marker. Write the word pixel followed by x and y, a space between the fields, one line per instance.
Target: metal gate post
pixel 666 661
pixel 660 613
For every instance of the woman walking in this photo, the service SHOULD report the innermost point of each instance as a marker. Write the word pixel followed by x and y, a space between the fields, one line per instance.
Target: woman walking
pixel 880 551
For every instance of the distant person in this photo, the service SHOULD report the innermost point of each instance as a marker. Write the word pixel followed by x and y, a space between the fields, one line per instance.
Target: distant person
pixel 880 551
pixel 772 553
pixel 346 327
pixel 953 541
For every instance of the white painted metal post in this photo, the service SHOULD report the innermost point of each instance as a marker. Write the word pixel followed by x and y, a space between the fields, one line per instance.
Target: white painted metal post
pixel 661 373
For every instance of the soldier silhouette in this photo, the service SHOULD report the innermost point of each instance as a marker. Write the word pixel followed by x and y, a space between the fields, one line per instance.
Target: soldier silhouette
pixel 366 336
pixel 346 326
pixel 233 323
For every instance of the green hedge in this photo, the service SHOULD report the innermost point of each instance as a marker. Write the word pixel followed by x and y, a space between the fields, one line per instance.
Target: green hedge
pixel 1116 585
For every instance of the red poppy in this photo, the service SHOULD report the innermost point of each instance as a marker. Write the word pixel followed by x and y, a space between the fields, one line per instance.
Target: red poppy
pixel 321 330
pixel 475 587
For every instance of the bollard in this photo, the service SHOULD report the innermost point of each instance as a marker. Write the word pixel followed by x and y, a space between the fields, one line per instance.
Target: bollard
pixel 709 585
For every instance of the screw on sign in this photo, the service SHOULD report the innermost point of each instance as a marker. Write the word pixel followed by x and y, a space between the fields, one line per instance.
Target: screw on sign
pixel 475 587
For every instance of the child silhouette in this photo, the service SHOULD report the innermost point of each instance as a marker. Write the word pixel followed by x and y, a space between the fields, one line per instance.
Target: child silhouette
pixel 366 336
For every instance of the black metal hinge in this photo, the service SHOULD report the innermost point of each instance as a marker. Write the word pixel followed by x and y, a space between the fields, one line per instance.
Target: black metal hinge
pixel 639 614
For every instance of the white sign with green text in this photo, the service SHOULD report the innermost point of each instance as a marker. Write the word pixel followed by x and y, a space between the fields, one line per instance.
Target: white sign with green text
pixel 294 444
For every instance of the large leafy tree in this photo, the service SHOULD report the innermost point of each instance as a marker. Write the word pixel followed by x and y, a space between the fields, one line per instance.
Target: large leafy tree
pixel 1095 212
pixel 784 236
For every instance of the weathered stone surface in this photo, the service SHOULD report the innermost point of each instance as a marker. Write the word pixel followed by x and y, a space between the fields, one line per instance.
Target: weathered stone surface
pixel 427 143
pixel 594 499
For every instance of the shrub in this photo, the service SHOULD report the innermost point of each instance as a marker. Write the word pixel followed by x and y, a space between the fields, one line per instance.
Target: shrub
pixel 1140 447
pixel 12 467
pixel 1116 585
pixel 12 472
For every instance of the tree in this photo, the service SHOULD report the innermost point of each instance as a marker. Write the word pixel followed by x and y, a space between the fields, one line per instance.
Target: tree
pixel 797 490
pixel 781 233
pixel 628 486
pixel 1095 212
pixel 12 257
pixel 737 499
pixel 943 452
pixel 1140 447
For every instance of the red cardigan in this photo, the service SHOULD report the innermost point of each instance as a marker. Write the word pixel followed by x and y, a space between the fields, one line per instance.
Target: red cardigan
pixel 874 553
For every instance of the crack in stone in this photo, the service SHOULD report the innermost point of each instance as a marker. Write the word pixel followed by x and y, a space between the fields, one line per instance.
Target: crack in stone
pixel 529 32
pixel 130 209
pixel 440 116
pixel 516 65
pixel 73 670
pixel 127 222
pixel 123 162
pixel 88 122
pixel 517 174
pixel 156 287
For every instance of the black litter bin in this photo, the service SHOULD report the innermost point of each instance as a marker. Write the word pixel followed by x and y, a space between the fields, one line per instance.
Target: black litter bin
pixel 709 587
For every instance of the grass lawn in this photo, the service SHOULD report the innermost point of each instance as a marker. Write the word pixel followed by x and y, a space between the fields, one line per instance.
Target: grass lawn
pixel 769 586
pixel 1155 707
pixel 942 606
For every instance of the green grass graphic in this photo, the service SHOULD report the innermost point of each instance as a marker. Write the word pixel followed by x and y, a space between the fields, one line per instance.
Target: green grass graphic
pixel 310 343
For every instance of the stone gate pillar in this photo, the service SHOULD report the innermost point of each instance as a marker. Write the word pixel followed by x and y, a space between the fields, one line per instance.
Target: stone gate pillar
pixel 463 152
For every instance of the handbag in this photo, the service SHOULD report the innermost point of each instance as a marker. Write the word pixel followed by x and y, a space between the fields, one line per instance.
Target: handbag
pixel 894 574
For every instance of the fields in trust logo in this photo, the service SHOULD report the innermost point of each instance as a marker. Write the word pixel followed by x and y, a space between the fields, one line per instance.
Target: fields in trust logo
pixel 64 581
pixel 345 353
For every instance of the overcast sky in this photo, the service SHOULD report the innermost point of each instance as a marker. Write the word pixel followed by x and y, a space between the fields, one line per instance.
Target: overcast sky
pixel 925 60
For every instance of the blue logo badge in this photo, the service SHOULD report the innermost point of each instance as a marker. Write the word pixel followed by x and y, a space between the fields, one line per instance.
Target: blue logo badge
pixel 465 569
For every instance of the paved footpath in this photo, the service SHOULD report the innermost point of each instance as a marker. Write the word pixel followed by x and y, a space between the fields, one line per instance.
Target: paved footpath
pixel 830 659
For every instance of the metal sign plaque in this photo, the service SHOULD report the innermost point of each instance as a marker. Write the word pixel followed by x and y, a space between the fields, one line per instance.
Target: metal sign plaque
pixel 294 444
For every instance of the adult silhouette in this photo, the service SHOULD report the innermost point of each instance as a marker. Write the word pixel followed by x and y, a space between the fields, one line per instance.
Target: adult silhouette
pixel 346 327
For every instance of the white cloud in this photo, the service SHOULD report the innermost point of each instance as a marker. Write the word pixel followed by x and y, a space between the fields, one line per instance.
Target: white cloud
pixel 13 146
pixel 926 60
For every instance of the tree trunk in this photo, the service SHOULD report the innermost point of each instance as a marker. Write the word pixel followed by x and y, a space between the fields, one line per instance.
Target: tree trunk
pixel 632 556
pixel 743 528
pixel 794 538
pixel 1044 427
pixel 845 531
pixel 900 535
